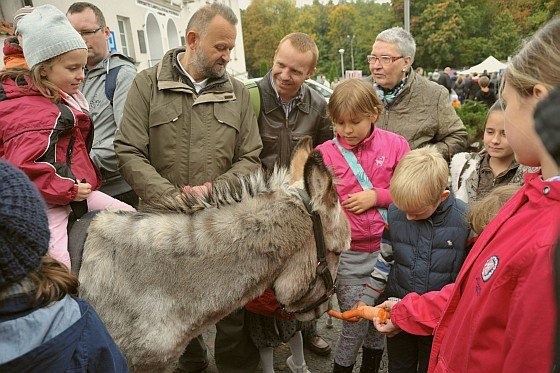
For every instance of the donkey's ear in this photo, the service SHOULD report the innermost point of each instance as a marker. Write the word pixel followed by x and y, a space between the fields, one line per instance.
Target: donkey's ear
pixel 318 180
pixel 299 156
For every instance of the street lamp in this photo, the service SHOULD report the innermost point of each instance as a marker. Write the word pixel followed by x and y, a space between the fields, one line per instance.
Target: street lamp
pixel 351 38
pixel 407 15
pixel 341 51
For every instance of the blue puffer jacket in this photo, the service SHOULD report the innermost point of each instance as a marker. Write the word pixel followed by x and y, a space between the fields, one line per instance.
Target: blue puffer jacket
pixel 65 336
pixel 428 253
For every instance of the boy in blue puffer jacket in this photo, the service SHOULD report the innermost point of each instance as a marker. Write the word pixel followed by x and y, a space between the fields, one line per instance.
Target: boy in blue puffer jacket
pixel 423 248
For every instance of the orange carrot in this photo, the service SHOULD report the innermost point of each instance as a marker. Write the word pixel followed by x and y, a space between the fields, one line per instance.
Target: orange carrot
pixel 362 312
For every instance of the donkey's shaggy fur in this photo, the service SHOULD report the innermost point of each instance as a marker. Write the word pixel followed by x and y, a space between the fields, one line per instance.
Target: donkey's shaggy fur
pixel 159 278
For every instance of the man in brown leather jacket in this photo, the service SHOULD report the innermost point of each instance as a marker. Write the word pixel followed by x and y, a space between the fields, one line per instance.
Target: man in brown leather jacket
pixel 289 111
pixel 289 108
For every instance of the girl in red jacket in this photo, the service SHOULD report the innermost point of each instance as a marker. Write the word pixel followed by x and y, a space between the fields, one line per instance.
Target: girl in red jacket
pixel 45 129
pixel 500 313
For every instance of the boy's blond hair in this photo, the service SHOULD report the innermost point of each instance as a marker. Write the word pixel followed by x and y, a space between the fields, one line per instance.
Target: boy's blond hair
pixel 419 179
pixel 355 98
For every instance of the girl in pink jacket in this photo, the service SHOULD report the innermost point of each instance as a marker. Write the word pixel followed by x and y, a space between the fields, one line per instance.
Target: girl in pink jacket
pixel 362 158
pixel 500 314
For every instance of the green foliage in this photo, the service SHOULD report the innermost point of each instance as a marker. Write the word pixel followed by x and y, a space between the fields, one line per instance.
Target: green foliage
pixel 262 31
pixel 447 32
pixel 473 114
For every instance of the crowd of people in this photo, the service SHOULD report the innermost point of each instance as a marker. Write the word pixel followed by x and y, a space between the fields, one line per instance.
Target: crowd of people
pixel 81 130
pixel 483 87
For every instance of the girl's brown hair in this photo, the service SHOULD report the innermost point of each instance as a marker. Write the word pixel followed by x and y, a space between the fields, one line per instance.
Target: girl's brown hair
pixel 354 97
pixel 51 282
pixel 538 61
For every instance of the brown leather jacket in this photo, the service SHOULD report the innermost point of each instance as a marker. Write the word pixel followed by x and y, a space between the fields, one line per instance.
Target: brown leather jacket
pixel 280 135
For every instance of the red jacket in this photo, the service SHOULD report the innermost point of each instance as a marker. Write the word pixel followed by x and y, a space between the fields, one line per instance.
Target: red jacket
pixel 47 141
pixel 500 314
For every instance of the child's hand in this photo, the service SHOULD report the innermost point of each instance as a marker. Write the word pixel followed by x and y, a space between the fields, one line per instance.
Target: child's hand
pixel 387 327
pixel 84 190
pixel 360 202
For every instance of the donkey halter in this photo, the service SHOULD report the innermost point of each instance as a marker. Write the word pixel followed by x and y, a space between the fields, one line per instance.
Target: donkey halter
pixel 322 270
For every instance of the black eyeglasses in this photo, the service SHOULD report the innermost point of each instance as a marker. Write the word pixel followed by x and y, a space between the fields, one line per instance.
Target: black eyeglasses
pixel 86 33
pixel 383 60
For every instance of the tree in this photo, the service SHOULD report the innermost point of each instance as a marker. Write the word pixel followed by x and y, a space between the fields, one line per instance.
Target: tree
pixel 262 31
pixel 341 22
pixel 447 32
pixel 441 24
pixel 373 18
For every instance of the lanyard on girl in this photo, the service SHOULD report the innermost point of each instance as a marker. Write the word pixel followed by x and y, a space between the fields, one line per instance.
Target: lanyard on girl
pixel 359 172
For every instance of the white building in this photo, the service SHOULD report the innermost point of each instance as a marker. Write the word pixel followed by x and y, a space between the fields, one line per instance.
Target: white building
pixel 143 29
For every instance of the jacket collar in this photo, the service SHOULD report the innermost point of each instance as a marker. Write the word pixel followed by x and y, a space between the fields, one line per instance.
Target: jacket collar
pixel 438 217
pixel 412 76
pixel 365 142
pixel 270 100
pixel 18 300
pixel 112 60
pixel 170 76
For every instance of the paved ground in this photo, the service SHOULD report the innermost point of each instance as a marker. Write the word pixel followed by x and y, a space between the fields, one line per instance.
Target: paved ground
pixel 315 363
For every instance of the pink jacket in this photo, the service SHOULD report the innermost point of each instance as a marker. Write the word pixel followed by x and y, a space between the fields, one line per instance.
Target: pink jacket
pixel 500 315
pixel 378 155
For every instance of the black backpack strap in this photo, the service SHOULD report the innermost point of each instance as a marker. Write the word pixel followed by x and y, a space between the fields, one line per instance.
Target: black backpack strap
pixel 111 83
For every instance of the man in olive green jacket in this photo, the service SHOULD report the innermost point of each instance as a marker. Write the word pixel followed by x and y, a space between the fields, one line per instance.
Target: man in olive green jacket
pixel 172 136
pixel 186 123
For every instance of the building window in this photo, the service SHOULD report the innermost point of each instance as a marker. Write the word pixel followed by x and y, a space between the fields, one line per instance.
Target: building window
pixel 125 36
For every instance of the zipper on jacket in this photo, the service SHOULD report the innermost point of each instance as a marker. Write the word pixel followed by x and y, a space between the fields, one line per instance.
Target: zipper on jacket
pixel 285 145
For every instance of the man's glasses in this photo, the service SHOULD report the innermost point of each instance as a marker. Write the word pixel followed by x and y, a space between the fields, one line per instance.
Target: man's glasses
pixel 383 60
pixel 86 33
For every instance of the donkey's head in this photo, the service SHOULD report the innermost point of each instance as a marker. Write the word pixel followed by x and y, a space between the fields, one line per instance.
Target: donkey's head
pixel 304 285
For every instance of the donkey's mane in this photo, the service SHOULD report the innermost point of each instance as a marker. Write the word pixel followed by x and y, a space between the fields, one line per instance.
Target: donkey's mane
pixel 225 191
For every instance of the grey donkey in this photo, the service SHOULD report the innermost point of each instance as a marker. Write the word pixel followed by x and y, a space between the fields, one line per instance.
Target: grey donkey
pixel 159 278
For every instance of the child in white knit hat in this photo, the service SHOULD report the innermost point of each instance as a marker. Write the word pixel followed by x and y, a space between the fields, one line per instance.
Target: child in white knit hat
pixel 43 326
pixel 45 128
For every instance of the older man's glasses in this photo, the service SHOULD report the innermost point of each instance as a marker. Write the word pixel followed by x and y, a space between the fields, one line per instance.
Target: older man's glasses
pixel 86 33
pixel 383 60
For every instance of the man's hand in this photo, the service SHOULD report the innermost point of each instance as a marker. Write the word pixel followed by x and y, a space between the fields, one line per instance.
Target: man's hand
pixel 360 202
pixel 198 190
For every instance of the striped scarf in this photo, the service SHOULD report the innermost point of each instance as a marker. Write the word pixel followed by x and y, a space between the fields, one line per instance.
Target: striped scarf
pixel 389 96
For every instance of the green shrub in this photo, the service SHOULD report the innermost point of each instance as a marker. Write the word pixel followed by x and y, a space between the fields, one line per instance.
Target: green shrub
pixel 473 114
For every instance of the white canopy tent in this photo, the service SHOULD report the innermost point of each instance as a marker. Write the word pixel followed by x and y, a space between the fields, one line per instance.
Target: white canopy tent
pixel 491 64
